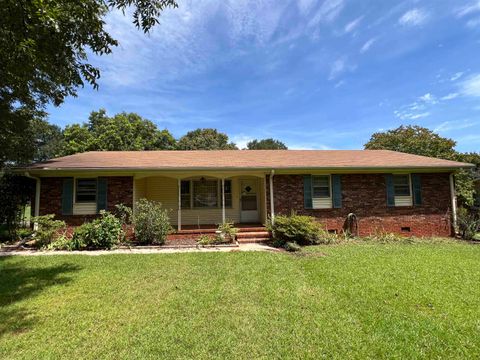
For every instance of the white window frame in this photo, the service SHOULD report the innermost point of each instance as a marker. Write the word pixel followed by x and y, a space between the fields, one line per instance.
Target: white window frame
pixel 322 202
pixel 403 200
pixel 219 194
pixel 84 208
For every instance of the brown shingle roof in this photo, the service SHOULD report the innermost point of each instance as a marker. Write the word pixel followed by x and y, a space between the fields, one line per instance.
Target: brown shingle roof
pixel 245 159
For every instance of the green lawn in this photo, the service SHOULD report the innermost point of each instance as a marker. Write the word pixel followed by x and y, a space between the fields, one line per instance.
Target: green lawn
pixel 357 301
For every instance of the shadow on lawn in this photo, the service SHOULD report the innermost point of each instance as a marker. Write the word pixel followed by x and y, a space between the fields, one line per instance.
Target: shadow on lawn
pixel 21 283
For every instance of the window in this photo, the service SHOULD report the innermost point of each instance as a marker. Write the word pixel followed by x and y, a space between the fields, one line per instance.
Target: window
pixel 401 184
pixel 205 193
pixel 86 190
pixel 228 193
pixel 185 194
pixel 321 186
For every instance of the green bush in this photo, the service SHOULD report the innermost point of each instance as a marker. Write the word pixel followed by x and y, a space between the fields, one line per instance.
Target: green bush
pixel 301 229
pixel 151 222
pixel 207 240
pixel 101 233
pixel 468 223
pixel 292 247
pixel 49 230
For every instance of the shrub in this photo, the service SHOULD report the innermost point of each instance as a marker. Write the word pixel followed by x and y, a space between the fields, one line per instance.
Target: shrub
pixel 468 223
pixel 151 222
pixel 62 243
pixel 301 229
pixel 49 230
pixel 102 233
pixel 206 240
pixel 227 232
pixel 292 246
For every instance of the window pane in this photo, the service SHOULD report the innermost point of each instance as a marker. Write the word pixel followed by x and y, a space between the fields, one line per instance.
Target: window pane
pixel 86 190
pixel 205 193
pixel 185 187
pixel 321 192
pixel 185 201
pixel 321 186
pixel 249 202
pixel 228 186
pixel 401 185
pixel 323 181
pixel 228 200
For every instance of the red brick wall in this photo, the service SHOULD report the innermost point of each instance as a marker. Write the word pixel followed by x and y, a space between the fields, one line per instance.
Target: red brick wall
pixel 365 195
pixel 119 190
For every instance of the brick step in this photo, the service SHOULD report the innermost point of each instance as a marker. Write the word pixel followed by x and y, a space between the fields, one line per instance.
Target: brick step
pixel 253 234
pixel 251 229
pixel 253 240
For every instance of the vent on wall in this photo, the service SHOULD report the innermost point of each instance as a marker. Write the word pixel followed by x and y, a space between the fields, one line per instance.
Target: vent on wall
pixel 406 229
pixel 332 231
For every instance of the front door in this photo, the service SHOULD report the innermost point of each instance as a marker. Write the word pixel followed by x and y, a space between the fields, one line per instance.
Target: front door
pixel 249 201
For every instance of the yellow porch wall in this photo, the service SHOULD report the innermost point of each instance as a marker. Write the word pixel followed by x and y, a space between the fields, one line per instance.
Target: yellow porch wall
pixel 165 190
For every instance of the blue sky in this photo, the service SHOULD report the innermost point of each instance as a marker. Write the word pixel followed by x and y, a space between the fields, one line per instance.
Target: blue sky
pixel 320 74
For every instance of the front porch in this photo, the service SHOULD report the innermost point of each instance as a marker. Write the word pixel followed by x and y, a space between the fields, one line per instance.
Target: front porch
pixel 197 203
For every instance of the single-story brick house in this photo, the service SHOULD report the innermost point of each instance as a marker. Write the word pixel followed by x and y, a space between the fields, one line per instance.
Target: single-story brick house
pixel 387 191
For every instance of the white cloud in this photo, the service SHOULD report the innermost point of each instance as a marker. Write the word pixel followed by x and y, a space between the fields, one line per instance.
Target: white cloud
pixel 337 67
pixel 327 12
pixel 471 86
pixel 456 76
pixel 428 98
pixel 449 96
pixel 468 9
pixel 352 25
pixel 367 45
pixel 241 140
pixel 455 125
pixel 405 115
pixel 473 23
pixel 413 17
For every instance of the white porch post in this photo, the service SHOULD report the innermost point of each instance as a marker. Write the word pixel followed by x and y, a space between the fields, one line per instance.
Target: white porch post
pixel 454 202
pixel 272 210
pixel 179 216
pixel 223 201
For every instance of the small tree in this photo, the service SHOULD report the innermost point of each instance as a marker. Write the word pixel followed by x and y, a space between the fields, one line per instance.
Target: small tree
pixel 205 139
pixel 266 144
pixel 15 192
pixel 151 222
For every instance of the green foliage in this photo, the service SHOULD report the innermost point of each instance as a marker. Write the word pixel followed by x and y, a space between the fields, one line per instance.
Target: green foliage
pixel 48 140
pixel 44 48
pixel 151 222
pixel 124 213
pixel 301 229
pixel 205 239
pixel 15 191
pixel 292 247
pixel 468 223
pixel 413 140
pixel 228 231
pixel 266 144
pixel 205 139
pixel 102 233
pixel 49 230
pixel 122 132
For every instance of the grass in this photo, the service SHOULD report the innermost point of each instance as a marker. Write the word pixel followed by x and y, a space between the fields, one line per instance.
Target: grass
pixel 344 301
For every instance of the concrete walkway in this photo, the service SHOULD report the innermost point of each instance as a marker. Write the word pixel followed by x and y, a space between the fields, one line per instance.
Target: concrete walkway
pixel 150 250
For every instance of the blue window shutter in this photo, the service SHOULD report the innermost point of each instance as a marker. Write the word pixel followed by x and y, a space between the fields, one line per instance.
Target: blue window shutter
pixel 101 194
pixel 390 190
pixel 337 191
pixel 67 196
pixel 417 189
pixel 307 191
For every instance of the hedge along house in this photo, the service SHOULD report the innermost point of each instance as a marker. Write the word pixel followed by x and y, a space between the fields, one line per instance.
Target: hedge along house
pixel 387 191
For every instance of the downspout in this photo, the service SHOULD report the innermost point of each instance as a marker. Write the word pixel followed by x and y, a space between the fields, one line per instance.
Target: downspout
pixel 454 203
pixel 37 198
pixel 272 210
